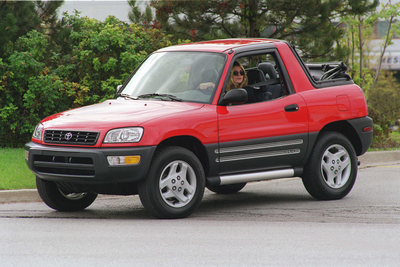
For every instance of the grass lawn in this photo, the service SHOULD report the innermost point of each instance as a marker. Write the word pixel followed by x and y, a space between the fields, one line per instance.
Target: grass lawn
pixel 14 173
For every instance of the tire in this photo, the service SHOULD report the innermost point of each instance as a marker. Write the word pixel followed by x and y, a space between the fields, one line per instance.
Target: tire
pixel 175 184
pixel 227 189
pixel 331 170
pixel 56 199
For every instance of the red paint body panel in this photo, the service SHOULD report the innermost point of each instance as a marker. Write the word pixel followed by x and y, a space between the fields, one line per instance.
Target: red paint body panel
pixel 262 120
pixel 200 123
pixel 113 114
pixel 323 108
pixel 296 73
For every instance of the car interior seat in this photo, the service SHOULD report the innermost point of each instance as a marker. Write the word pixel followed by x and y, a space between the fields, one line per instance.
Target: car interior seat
pixel 275 91
pixel 255 76
pixel 268 69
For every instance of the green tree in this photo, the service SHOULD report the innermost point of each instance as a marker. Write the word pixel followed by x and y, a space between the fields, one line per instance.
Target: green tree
pixel 309 24
pixel 384 108
pixel 145 19
pixel 28 91
pixel 390 12
pixel 47 11
pixel 364 68
pixel 381 89
pixel 17 18
pixel 41 77
pixel 101 55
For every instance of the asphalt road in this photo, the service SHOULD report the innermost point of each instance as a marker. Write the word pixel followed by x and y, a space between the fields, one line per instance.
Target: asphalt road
pixel 273 223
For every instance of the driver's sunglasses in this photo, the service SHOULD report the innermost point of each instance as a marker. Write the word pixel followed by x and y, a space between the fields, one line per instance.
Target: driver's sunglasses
pixel 236 73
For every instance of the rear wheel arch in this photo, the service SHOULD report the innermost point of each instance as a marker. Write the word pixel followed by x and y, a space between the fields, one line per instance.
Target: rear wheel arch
pixel 345 128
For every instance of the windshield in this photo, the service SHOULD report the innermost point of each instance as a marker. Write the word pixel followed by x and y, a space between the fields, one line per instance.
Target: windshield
pixel 176 76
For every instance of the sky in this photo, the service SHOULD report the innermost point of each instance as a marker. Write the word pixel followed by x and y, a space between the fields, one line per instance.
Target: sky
pixel 98 9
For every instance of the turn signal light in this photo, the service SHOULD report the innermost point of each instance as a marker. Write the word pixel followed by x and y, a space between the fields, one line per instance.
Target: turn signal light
pixel 123 160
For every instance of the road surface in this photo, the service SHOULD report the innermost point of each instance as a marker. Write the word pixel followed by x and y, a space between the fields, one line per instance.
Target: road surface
pixel 274 223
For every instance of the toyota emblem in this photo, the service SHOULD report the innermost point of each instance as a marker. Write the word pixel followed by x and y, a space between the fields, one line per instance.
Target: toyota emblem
pixel 68 136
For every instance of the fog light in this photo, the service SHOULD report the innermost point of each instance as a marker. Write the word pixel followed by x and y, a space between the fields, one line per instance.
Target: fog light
pixel 26 155
pixel 123 160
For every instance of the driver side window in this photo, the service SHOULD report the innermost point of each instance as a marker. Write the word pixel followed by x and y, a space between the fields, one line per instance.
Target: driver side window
pixel 262 77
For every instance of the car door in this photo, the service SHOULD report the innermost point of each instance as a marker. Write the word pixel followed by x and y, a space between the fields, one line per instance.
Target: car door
pixel 262 136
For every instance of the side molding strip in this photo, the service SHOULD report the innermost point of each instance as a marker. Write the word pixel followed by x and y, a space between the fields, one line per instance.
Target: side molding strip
pixel 258 146
pixel 286 152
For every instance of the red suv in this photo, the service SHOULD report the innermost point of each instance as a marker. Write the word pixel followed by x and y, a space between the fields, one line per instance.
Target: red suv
pixel 174 129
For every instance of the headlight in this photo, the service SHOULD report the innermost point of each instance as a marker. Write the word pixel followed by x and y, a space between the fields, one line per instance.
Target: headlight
pixel 37 133
pixel 124 135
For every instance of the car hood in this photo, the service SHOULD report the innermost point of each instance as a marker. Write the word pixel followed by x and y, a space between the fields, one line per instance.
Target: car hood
pixel 115 113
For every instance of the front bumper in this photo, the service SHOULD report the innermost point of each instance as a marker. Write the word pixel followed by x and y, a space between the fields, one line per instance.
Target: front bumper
pixel 86 165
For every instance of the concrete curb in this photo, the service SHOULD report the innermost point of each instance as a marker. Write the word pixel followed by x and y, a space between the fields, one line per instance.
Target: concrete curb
pixel 369 159
pixel 23 195
pixel 377 158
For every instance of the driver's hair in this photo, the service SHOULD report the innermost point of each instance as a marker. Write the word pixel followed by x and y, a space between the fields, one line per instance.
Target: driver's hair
pixel 231 84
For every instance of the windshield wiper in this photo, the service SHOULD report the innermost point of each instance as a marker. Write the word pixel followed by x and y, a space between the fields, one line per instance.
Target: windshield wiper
pixel 127 96
pixel 171 97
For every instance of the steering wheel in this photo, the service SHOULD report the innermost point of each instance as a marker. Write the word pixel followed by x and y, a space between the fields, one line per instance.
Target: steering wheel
pixel 207 91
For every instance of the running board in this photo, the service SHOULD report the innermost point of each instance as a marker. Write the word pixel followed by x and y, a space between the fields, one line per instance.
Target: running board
pixel 254 176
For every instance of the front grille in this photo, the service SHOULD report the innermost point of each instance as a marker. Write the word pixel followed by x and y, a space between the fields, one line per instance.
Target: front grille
pixel 74 166
pixel 71 137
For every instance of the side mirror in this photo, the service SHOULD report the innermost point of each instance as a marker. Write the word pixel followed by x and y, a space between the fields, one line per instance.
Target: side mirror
pixel 234 96
pixel 117 90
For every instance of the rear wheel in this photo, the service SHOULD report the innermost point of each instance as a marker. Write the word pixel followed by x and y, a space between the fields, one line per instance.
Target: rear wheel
pixel 174 186
pixel 57 199
pixel 227 189
pixel 331 170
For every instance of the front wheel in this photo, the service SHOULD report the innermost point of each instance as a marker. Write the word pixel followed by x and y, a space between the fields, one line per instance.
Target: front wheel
pixel 57 199
pixel 174 186
pixel 331 170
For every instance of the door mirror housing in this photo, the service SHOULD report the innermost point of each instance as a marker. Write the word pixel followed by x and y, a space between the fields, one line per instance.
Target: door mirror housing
pixel 234 96
pixel 118 89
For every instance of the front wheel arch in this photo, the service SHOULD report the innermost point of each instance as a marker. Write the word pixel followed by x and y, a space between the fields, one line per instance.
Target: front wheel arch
pixel 190 143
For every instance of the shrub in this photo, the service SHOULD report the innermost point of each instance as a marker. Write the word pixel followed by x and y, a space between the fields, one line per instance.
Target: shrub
pixel 384 109
pixel 82 65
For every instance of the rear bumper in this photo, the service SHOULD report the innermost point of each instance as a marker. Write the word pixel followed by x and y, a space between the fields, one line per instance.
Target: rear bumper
pixel 86 165
pixel 359 125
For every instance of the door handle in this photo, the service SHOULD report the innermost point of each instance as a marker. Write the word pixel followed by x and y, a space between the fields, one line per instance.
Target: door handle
pixel 292 108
